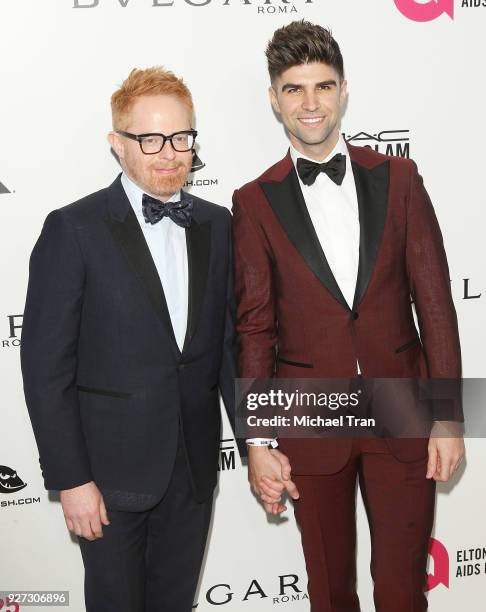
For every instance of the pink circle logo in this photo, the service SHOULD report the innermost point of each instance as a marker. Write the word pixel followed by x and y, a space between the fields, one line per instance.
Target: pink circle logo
pixel 428 11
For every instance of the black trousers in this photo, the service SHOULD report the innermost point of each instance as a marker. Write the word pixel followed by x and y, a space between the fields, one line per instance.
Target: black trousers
pixel 149 561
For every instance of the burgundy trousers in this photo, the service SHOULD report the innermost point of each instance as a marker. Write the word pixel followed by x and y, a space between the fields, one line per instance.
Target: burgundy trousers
pixel 399 502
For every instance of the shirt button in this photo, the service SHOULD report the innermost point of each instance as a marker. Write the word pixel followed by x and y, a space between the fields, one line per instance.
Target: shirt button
pixel 355 315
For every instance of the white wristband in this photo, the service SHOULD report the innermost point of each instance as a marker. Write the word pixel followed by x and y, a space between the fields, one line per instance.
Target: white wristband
pixel 262 442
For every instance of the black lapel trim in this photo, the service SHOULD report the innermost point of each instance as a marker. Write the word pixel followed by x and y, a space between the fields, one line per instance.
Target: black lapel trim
pixel 130 239
pixel 198 241
pixel 372 191
pixel 287 202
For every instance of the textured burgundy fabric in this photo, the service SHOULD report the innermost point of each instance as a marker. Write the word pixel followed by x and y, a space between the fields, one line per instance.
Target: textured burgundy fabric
pixel 285 309
pixel 399 502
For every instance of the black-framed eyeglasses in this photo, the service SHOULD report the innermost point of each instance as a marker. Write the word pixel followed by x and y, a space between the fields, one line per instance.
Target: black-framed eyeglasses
pixel 153 143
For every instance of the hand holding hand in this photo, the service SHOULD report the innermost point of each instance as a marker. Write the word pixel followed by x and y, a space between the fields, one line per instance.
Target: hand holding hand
pixel 269 475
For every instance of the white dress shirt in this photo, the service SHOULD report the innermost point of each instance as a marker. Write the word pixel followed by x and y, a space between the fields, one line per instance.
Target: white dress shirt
pixel 334 213
pixel 167 244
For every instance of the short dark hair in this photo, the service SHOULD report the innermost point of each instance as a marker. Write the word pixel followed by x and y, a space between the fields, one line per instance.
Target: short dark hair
pixel 302 42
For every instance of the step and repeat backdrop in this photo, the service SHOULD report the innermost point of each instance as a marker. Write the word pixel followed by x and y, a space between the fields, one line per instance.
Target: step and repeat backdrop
pixel 415 71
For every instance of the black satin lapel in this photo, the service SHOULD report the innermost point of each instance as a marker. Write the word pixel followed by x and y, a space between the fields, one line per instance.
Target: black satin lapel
pixel 198 241
pixel 288 204
pixel 372 191
pixel 129 238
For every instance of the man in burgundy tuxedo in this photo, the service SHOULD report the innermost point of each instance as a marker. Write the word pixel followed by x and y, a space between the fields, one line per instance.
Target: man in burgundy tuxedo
pixel 330 245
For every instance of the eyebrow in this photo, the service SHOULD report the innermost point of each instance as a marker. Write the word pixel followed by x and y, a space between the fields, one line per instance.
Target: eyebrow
pixel 298 85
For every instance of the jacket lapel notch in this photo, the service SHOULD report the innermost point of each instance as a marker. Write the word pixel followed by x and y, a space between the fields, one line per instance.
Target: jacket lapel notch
pixel 287 202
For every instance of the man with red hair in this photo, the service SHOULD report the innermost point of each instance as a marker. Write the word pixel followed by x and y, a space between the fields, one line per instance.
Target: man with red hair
pixel 128 334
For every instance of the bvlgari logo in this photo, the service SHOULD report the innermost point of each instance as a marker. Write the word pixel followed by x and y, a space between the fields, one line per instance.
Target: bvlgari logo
pixel 262 6
pixel 287 589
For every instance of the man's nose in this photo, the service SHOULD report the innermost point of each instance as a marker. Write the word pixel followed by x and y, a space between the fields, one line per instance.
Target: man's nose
pixel 167 151
pixel 310 101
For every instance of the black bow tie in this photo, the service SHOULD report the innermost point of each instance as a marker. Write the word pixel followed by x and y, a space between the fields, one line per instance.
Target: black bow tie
pixel 155 210
pixel 335 169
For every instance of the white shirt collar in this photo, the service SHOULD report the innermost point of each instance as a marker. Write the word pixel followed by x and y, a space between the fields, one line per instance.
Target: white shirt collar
pixel 340 147
pixel 135 194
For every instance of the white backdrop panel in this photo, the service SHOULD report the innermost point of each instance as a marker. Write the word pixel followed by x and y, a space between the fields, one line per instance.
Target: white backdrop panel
pixel 59 66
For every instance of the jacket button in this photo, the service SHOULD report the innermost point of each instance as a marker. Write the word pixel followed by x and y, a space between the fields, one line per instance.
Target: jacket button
pixel 355 315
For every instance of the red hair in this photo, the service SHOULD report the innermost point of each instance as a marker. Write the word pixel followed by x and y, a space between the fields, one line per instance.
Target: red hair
pixel 149 82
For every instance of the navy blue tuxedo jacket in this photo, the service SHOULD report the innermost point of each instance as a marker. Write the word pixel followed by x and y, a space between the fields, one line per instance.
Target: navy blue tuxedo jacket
pixel 106 385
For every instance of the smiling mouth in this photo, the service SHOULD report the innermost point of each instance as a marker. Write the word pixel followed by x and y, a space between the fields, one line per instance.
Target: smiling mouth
pixel 166 170
pixel 311 120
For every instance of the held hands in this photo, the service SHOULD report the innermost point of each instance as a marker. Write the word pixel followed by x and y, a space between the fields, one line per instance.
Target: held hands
pixel 445 453
pixel 84 511
pixel 269 475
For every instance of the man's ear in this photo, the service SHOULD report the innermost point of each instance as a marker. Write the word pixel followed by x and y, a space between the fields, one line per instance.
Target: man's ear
pixel 273 99
pixel 343 94
pixel 116 143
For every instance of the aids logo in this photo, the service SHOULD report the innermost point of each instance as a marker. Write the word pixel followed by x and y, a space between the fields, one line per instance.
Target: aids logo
pixel 425 11
pixel 439 554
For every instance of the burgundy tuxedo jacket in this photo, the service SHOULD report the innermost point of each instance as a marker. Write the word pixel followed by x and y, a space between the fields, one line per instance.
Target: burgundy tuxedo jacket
pixel 292 318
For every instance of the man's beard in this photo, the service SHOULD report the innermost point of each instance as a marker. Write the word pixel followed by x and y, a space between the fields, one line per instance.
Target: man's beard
pixel 160 185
